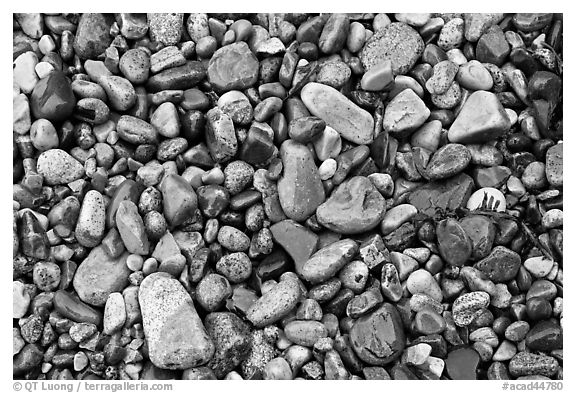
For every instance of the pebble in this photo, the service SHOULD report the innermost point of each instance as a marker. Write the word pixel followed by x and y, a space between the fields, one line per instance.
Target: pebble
pixel 553 218
pixel 92 35
pixel 326 262
pixel 453 243
pixel 421 281
pixel 378 77
pixel 479 126
pixel 443 75
pixel 462 364
pixel 466 307
pixel 99 275
pixel 175 334
pixel 378 338
pixel 91 222
pixel 539 267
pixel 355 206
pixel 451 34
pixel 114 313
pixel 274 304
pixel 220 136
pixel 20 299
pixel 397 42
pixel 554 165
pixel 305 333
pixel 474 76
pixel 46 276
pixel 165 28
pixel 179 199
pixel 231 338
pixel 448 161
pixel 487 198
pixel 327 169
pixel 338 112
pixel 405 114
pixel 300 189
pixel 24 72
pixel 212 291
pixel 43 134
pixel 397 216
pixel 328 144
pixel 525 363
pixel 298 241
pixel 233 239
pixel 225 77
pixel 131 228
pixel 236 267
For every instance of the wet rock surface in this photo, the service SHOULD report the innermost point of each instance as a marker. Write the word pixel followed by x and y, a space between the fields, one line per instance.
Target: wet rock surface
pixel 287 196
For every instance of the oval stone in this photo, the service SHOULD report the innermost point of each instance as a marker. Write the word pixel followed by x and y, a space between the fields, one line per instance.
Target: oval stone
pixel 326 262
pixel 58 167
pixel 233 67
pixel 453 242
pixel 352 122
pixel 300 189
pixel 176 337
pixel 275 304
pixel 448 161
pixel 99 275
pixel 355 206
pixel 378 338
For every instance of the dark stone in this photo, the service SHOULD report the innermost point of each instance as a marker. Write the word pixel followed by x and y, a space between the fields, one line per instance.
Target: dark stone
pixel 298 241
pixel 500 265
pixel 128 190
pixel 492 47
pixel 545 336
pixel 177 78
pixel 257 148
pixel 52 98
pixel 212 199
pixel 481 231
pixel 71 307
pixel 447 195
pixel 401 238
pixel 453 243
pixel 33 240
pixel 378 338
pixel 462 364
pixel 538 309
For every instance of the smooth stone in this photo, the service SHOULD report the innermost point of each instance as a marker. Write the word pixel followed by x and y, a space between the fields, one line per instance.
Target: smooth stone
pixel 355 206
pixel 494 177
pixel 352 122
pixel 334 74
pixel 474 76
pixel 233 67
pixel 443 75
pixel 378 77
pixel 71 307
pixel 328 144
pixel 58 167
pixel 92 35
pixel 233 239
pixel 421 281
pixel 534 176
pixel 21 121
pixel 334 33
pixel 555 165
pixel 275 304
pixel 136 131
pixel 236 105
pixel 32 24
pixel 527 22
pixel 326 262
pixel 405 114
pixel 482 232
pixel 131 228
pixel 452 34
pixel 492 47
pixel 20 300
pixel 258 147
pixel 448 161
pixel 114 313
pixel 177 78
pixel 300 189
pixel 91 220
pixel 120 92
pixel 24 71
pixel 43 134
pixel 427 321
pixel 220 135
pixel 165 120
pixel 52 98
pixel 165 28
pixel 297 240
pixel 378 338
pixel 397 42
pixel 545 336
pixel 462 364
pixel 127 190
pixel 481 119
pixel 476 24
pixel 99 275
pixel 453 243
pixel 174 332
pixel 179 199
pixel 305 333
pixel 447 195
pixel 539 267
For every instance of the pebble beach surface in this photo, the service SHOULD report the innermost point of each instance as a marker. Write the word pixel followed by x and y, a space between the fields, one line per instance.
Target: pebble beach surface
pixel 287 196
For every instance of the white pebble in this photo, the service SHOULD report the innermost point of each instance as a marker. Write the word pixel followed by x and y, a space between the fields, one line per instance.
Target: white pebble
pixel 327 169
pixel 553 218
pixel 539 267
pixel 114 313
